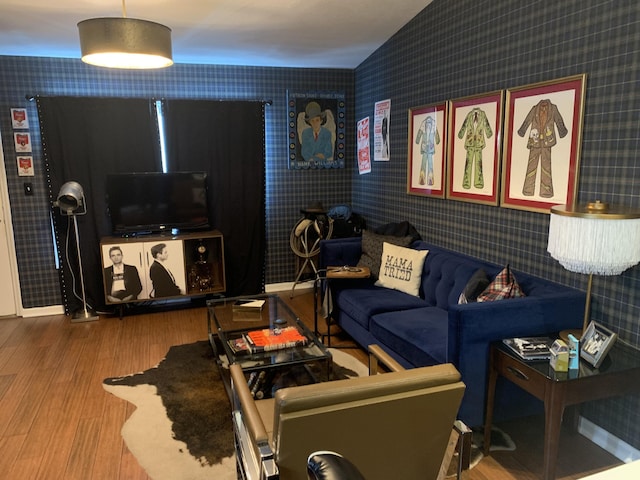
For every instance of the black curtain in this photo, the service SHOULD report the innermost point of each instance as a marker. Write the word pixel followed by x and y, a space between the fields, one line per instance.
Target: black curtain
pixel 226 139
pixel 83 139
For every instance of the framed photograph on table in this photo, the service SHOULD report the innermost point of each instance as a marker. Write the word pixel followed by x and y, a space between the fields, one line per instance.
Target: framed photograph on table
pixel 426 169
pixel 541 152
pixel 475 133
pixel 596 343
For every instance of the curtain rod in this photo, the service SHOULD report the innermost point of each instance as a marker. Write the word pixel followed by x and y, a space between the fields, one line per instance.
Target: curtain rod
pixel 31 98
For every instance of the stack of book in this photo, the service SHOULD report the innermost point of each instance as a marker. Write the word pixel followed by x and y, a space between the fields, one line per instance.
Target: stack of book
pixel 266 340
pixel 530 348
pixel 248 310
pixel 274 339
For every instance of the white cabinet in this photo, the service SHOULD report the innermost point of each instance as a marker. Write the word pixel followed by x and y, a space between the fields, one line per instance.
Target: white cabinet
pixel 188 264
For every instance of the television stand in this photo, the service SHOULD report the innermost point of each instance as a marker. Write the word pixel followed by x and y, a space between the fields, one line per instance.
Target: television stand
pixel 195 262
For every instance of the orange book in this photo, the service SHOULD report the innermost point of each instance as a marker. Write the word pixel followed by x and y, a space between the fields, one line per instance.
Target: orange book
pixel 275 339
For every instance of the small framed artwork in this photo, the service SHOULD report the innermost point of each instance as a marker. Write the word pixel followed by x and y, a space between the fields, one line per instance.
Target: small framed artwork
pixel 19 118
pixel 22 142
pixel 317 137
pixel 596 343
pixel 543 127
pixel 475 133
pixel 426 170
pixel 25 166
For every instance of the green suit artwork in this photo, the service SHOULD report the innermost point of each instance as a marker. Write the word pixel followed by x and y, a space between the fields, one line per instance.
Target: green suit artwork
pixel 474 130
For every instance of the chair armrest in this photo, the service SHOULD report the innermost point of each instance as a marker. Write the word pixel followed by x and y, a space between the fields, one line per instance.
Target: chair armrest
pixel 377 355
pixel 250 414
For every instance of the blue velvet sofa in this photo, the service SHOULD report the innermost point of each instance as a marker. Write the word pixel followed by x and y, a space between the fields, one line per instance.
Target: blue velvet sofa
pixel 433 328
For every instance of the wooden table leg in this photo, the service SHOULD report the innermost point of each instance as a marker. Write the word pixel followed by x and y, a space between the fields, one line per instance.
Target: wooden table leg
pixel 491 392
pixel 553 410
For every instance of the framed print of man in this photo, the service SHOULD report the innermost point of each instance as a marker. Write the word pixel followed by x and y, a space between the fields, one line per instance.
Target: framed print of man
pixel 316 130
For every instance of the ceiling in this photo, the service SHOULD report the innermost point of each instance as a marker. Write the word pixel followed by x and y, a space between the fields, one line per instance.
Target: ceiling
pixel 278 33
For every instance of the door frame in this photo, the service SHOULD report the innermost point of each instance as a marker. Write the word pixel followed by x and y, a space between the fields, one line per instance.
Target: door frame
pixel 8 231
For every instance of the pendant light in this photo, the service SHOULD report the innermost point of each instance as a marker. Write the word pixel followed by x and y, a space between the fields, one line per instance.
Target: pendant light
pixel 131 43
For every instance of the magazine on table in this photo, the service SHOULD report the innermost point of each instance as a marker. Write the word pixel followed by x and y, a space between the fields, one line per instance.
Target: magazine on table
pixel 248 305
pixel 530 348
pixel 239 345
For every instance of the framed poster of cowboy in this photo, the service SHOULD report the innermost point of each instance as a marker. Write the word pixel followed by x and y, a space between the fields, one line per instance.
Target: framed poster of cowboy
pixel 475 126
pixel 541 153
pixel 426 171
pixel 316 123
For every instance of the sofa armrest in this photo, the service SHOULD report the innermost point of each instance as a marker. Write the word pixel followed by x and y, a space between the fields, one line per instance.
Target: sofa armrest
pixel 340 252
pixel 487 322
pixel 474 326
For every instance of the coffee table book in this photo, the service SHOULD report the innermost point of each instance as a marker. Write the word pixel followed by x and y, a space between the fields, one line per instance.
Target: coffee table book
pixel 274 339
pixel 530 348
pixel 249 305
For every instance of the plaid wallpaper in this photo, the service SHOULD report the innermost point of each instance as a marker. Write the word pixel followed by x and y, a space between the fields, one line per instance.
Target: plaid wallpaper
pixel 287 190
pixel 450 50
pixel 455 49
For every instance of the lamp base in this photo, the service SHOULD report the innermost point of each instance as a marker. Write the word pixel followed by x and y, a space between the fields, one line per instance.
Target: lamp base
pixel 84 316
pixel 564 334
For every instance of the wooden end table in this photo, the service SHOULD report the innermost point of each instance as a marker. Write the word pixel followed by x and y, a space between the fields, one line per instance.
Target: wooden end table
pixel 618 375
pixel 334 273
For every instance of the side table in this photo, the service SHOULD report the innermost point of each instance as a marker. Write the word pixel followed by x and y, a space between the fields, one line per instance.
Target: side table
pixel 618 375
pixel 334 273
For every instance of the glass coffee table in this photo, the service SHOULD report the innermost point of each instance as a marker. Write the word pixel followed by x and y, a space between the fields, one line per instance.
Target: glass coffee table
pixel 231 320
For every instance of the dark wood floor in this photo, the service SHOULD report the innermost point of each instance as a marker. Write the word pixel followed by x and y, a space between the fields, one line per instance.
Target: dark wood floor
pixel 57 422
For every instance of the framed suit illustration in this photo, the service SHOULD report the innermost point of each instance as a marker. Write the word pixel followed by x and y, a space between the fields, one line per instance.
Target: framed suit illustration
pixel 541 153
pixel 475 126
pixel 426 170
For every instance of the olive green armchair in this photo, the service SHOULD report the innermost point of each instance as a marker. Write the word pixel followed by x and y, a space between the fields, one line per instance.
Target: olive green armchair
pixel 398 424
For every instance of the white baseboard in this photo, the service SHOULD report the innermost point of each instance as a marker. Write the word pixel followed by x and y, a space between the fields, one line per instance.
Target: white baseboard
pixel 271 288
pixel 612 444
pixel 42 311
pixel 286 286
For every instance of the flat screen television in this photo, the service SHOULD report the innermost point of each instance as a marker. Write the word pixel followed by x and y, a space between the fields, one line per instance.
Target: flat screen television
pixel 140 203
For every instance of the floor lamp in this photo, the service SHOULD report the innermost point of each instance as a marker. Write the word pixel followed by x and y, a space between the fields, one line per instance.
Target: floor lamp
pixel 594 239
pixel 71 203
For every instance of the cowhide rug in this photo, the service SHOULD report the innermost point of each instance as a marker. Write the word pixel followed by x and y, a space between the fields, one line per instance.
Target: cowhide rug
pixel 181 427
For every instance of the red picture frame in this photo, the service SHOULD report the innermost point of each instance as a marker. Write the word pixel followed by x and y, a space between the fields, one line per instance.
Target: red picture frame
pixel 426 169
pixel 474 148
pixel 543 125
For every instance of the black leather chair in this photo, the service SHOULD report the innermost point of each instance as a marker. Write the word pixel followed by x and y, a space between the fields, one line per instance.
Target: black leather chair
pixel 331 466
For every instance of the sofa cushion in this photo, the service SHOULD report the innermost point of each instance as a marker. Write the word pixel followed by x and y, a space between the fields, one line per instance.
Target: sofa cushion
pixel 419 334
pixel 476 285
pixel 401 268
pixel 372 249
pixel 503 286
pixel 361 303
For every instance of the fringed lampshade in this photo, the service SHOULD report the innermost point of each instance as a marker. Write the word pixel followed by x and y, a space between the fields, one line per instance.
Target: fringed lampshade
pixel 594 239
